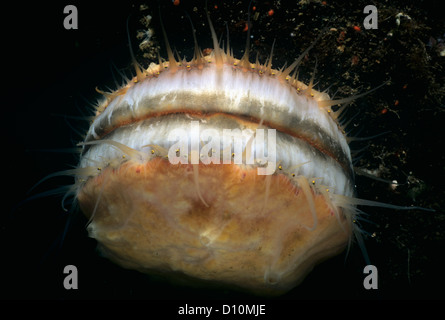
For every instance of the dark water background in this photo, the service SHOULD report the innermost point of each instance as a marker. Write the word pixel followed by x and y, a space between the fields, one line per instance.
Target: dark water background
pixel 51 74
